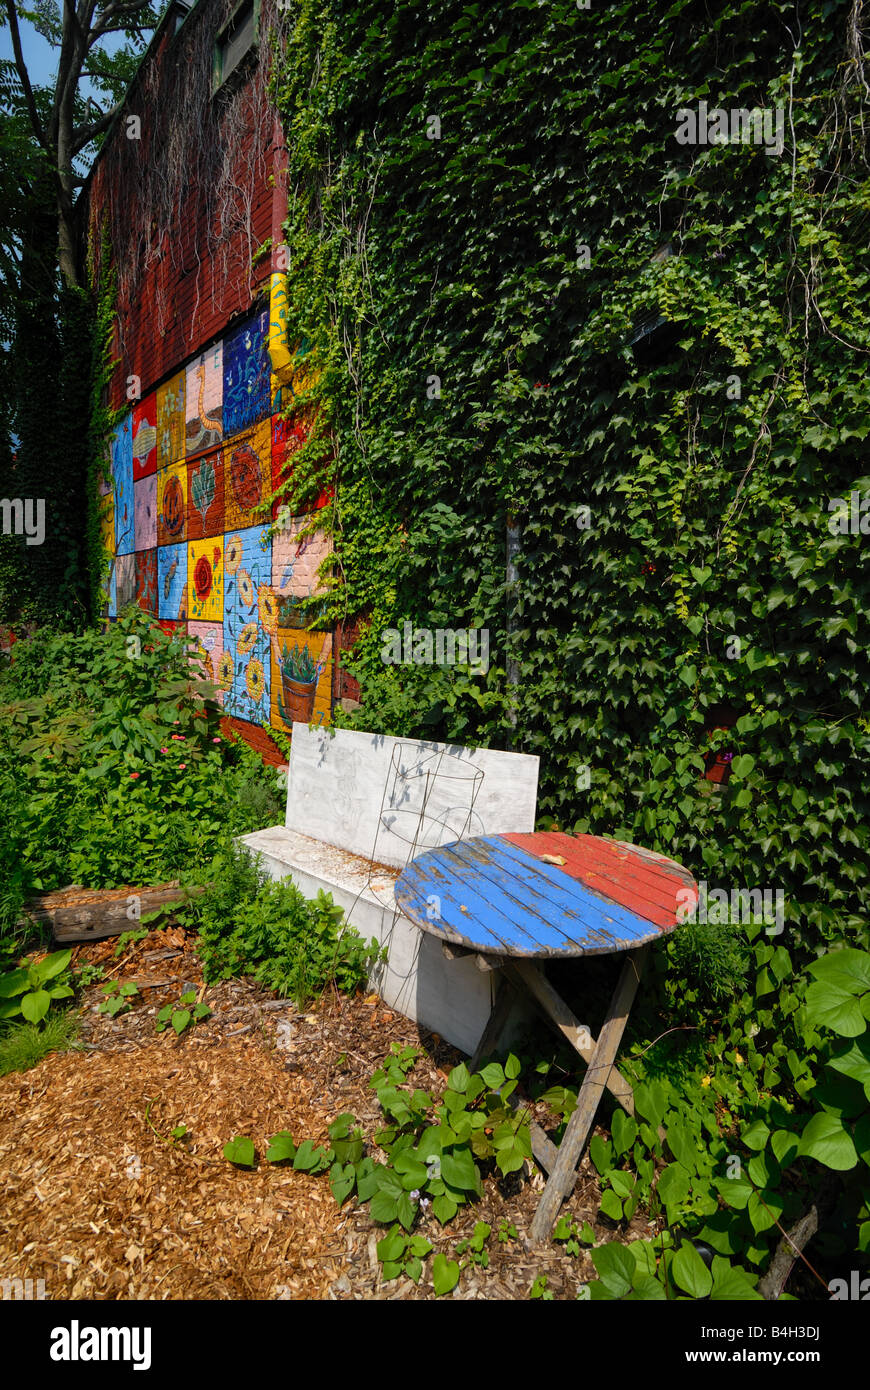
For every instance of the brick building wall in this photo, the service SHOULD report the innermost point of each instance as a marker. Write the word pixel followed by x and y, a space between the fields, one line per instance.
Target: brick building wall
pixel 187 188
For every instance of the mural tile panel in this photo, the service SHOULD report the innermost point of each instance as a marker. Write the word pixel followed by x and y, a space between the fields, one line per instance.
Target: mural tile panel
pixel 208 639
pixel 204 401
pixel 122 484
pixel 123 584
pixel 170 421
pixel 145 512
pixel 247 375
pixel 172 504
pixel 145 436
pixel 172 581
pixel 205 579
pixel 205 496
pixel 250 620
pixel 146 580
pixel 247 478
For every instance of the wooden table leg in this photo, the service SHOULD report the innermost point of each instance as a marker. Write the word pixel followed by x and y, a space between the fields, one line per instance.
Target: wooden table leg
pixel 563 1175
pixel 557 1013
pixel 502 1008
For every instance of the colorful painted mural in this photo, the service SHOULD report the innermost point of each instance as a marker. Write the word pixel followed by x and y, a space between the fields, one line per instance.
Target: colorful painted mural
pixel 187 523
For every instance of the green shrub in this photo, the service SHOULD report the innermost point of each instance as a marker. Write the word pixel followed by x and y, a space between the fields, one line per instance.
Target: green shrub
pixel 112 766
pixel 708 965
pixel 253 925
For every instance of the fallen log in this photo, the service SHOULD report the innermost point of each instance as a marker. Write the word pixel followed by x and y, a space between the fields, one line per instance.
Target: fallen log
pixel 91 914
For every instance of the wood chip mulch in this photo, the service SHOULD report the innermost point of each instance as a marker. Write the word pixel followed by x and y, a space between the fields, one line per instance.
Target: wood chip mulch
pixel 98 1201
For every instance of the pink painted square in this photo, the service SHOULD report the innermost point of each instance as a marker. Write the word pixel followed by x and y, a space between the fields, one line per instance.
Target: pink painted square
pixel 204 394
pixel 208 639
pixel 145 512
pixel 295 560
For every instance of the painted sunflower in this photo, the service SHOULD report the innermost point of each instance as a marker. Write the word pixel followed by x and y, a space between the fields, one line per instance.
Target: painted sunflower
pixel 226 671
pixel 255 680
pixel 247 638
pixel 233 554
pixel 268 607
pixel 246 589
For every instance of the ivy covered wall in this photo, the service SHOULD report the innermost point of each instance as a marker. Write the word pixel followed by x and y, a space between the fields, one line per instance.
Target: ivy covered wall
pixel 535 303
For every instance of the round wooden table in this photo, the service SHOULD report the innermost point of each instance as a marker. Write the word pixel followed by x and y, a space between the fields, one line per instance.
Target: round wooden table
pixel 515 901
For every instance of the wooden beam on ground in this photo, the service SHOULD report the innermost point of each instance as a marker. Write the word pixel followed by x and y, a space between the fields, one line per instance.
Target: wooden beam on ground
pixel 89 914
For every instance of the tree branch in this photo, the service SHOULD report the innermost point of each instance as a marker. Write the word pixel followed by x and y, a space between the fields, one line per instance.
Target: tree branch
pixel 30 101
pixel 86 133
pixel 791 1246
pixel 116 9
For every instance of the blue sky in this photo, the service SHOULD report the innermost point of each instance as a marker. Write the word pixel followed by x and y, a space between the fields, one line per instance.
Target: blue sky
pixel 41 58
pixel 38 54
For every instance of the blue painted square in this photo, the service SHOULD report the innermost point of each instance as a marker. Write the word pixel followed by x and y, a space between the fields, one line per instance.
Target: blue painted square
pixel 247 566
pixel 172 581
pixel 247 375
pixel 122 482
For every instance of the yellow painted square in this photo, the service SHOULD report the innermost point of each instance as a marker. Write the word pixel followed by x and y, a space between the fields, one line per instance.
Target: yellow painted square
pixel 205 580
pixel 171 421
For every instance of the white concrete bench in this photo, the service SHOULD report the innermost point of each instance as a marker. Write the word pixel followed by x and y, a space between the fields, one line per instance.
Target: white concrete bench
pixel 356 804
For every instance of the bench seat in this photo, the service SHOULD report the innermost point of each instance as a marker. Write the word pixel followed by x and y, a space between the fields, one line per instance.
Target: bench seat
pixel 336 787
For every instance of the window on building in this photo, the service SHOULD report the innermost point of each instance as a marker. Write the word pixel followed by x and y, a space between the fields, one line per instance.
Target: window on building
pixel 235 41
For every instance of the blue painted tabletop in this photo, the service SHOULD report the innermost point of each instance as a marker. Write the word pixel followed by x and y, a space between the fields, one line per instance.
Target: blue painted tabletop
pixel 545 894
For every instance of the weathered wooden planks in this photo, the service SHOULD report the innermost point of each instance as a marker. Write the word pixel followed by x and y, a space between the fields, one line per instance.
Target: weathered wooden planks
pixel 496 894
pixel 90 914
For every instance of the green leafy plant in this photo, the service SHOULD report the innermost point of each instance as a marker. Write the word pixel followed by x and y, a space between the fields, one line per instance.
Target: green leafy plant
pixel 402 1254
pixel 240 1151
pixel 298 664
pixel 249 923
pixel 776 1102
pixel 126 937
pixel 87 974
pixel 540 1290
pixel 567 1230
pixel 445 1274
pixel 117 998
pixel 181 1015
pixel 23 991
pixel 473 1250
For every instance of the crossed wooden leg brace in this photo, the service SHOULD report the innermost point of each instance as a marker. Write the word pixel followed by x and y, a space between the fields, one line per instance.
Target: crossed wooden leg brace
pixel 599 1055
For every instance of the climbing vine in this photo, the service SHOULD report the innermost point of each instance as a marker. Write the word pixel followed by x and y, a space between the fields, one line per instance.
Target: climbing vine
pixel 528 300
pixel 103 418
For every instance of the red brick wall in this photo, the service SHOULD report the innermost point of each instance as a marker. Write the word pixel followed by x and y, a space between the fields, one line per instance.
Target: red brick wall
pixel 186 204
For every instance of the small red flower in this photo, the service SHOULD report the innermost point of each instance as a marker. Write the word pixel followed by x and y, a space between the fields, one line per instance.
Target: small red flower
pixel 134 774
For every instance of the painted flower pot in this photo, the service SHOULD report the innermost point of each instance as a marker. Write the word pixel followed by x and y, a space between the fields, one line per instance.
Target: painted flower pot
pixel 718 765
pixel 298 699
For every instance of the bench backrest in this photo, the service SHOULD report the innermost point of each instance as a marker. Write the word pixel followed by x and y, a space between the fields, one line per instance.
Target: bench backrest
pixel 374 795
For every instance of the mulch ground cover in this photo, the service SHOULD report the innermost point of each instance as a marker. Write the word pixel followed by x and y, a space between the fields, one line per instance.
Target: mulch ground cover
pixel 100 1202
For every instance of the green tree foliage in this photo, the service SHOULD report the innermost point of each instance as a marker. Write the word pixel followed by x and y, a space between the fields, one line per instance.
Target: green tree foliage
pixel 51 376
